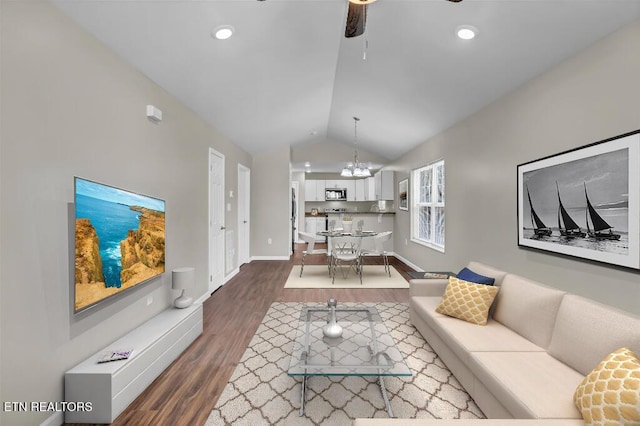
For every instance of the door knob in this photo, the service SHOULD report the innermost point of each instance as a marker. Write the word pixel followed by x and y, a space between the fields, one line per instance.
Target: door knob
pixel 222 228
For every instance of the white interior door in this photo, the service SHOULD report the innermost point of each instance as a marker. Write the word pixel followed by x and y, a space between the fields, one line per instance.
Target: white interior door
pixel 295 187
pixel 216 220
pixel 244 216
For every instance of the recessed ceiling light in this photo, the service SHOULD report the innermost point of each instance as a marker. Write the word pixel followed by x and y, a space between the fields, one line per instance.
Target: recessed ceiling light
pixel 362 1
pixel 466 32
pixel 307 164
pixel 223 32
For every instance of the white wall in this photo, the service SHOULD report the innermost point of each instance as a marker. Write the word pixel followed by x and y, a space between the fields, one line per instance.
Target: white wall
pixel 70 106
pixel 271 204
pixel 590 97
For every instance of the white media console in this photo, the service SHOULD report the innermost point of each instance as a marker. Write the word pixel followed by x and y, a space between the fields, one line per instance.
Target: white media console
pixel 112 386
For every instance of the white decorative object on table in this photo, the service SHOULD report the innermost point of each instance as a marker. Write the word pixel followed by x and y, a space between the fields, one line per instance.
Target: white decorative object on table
pixel 181 279
pixel 332 329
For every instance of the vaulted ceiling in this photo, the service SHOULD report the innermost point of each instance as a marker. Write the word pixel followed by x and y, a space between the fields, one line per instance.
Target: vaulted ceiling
pixel 288 76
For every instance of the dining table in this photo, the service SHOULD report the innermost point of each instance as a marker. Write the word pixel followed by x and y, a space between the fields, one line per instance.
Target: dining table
pixel 341 233
pixel 361 234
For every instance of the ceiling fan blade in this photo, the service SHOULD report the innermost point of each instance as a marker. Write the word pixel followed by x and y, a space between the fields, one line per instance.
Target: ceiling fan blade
pixel 356 20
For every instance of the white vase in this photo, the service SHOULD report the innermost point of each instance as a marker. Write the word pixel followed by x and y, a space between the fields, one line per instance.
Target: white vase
pixel 332 330
pixel 347 225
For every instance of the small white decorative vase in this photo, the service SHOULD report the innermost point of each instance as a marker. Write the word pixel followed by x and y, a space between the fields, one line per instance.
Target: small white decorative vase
pixel 347 225
pixel 332 329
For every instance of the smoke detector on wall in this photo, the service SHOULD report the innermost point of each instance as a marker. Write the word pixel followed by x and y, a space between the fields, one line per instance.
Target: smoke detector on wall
pixel 154 113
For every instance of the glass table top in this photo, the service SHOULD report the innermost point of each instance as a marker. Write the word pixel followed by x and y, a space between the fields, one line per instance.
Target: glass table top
pixel 365 348
pixel 363 233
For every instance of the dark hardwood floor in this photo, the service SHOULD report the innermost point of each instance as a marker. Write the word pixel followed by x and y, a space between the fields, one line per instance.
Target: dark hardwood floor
pixel 186 392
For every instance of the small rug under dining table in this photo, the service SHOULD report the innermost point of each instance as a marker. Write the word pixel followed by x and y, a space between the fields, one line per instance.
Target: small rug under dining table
pixel 260 392
pixel 317 276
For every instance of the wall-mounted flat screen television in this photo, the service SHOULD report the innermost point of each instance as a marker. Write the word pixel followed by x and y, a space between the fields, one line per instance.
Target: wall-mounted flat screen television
pixel 119 241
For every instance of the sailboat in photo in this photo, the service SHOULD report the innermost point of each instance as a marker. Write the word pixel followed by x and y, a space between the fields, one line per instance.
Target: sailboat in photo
pixel 601 229
pixel 568 227
pixel 539 228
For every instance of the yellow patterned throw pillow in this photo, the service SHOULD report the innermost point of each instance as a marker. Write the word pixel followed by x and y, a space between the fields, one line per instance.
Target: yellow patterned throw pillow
pixel 467 301
pixel 610 394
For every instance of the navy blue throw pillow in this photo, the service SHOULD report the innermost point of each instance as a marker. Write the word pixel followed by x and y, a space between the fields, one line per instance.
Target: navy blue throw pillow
pixel 468 275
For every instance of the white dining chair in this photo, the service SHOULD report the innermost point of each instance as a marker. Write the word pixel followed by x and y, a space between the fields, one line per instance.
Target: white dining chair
pixel 310 239
pixel 379 250
pixel 346 250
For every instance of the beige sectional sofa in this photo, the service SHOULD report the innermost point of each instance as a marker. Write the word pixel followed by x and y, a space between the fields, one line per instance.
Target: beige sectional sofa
pixel 538 345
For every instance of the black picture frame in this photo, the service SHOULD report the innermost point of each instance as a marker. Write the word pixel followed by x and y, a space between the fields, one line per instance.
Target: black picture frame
pixel 403 194
pixel 584 202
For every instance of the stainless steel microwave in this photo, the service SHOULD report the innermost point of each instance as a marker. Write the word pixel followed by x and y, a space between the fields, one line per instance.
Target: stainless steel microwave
pixel 335 194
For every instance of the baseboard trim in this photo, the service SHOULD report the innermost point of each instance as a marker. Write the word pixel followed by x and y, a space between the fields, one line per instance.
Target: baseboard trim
pixel 270 258
pixel 231 275
pixel 408 263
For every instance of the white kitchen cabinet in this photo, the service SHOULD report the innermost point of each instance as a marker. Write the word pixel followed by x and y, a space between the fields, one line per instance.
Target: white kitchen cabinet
pixel 360 190
pixel 320 186
pixel 350 185
pixel 370 189
pixel 310 190
pixel 314 190
pixel 384 185
pixel 333 184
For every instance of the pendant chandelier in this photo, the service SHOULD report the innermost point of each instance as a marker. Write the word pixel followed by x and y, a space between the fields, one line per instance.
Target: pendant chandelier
pixel 356 168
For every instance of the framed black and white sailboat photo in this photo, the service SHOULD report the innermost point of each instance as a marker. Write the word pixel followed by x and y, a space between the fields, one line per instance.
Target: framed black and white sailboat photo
pixel 584 202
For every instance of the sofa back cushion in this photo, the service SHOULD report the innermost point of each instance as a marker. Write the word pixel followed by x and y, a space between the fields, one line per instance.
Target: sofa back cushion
pixel 487 271
pixel 586 331
pixel 528 308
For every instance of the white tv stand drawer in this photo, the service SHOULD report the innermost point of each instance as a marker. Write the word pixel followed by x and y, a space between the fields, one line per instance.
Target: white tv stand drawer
pixel 112 386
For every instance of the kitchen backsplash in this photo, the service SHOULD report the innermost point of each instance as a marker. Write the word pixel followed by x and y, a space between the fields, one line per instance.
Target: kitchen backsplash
pixel 350 206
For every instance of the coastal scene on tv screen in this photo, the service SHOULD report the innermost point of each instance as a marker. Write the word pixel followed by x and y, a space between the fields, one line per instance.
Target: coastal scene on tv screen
pixel 119 241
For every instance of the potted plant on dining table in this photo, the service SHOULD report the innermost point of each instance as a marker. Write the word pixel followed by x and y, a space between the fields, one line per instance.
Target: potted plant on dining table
pixel 347 223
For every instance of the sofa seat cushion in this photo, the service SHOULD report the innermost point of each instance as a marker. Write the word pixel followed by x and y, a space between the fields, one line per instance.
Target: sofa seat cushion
pixel 425 307
pixel 529 384
pixel 463 337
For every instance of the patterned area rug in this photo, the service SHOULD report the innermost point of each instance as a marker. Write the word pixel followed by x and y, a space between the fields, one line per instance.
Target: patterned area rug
pixel 261 393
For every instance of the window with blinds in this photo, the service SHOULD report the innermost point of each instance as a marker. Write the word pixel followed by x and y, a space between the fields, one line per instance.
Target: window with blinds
pixel 427 212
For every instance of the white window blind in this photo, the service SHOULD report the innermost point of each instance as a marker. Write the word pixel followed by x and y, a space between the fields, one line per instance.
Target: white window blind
pixel 427 212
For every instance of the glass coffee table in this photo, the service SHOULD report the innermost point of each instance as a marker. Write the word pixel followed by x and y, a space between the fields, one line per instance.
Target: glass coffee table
pixel 365 348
